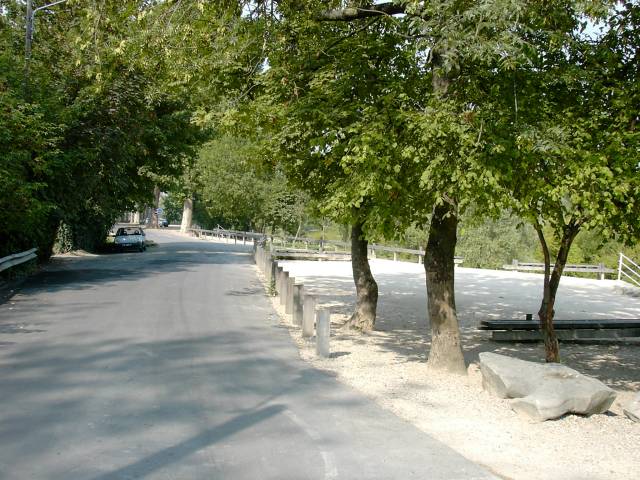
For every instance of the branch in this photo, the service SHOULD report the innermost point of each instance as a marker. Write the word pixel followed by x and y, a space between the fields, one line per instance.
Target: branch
pixel 356 13
pixel 355 32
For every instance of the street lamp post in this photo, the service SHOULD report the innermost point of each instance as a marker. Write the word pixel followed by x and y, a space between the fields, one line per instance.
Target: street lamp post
pixel 31 16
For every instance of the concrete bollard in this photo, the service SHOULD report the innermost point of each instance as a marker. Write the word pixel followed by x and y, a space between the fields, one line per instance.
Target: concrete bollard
pixel 278 280
pixel 288 306
pixel 323 332
pixel 274 274
pixel 298 298
pixel 268 270
pixel 279 275
pixel 267 265
pixel 285 287
pixel 308 315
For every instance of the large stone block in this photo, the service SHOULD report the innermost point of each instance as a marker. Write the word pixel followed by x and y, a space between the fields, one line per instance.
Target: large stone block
pixel 632 410
pixel 543 391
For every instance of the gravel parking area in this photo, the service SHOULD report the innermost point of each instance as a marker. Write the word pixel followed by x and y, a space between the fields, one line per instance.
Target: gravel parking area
pixel 389 365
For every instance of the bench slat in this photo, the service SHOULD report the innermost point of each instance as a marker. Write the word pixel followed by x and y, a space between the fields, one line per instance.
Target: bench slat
pixel 559 324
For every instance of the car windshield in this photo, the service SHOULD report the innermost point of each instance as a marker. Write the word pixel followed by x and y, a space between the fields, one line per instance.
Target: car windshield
pixel 124 232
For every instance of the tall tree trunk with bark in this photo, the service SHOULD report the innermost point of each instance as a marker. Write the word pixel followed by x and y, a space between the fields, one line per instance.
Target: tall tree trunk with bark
pixel 446 350
pixel 156 204
pixel 551 284
pixel 364 317
pixel 187 214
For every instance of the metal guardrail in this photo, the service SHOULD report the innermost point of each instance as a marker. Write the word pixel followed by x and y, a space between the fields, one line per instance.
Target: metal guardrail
pixel 221 233
pixel 628 269
pixel 17 258
pixel 308 243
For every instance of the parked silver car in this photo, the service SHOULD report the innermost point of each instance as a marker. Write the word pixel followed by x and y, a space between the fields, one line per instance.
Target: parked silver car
pixel 129 238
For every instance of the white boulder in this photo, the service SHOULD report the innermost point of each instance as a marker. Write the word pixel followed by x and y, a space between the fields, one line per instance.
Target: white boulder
pixel 632 410
pixel 543 391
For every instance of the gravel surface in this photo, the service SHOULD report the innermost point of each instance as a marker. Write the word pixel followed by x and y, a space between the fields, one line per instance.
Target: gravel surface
pixel 389 365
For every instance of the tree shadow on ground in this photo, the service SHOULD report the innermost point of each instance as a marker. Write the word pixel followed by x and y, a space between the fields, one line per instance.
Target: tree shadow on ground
pixel 402 326
pixel 117 393
pixel 80 273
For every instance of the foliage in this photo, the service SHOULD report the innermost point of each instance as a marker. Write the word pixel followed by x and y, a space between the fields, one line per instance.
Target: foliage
pixel 332 96
pixel 173 205
pixel 99 128
pixel 236 192
pixel 493 243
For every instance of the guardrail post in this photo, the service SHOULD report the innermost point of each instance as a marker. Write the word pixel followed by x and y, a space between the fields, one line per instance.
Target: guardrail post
pixel 601 273
pixel 288 306
pixel 298 298
pixel 420 255
pixel 273 275
pixel 308 315
pixel 395 257
pixel 323 333
pixel 278 280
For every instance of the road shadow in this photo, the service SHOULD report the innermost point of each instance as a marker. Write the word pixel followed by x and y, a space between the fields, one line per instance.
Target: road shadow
pixel 178 452
pixel 115 393
pixel 80 273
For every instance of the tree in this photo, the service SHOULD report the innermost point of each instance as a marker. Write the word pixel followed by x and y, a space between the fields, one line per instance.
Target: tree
pixel 441 162
pixel 332 91
pixel 239 193
pixel 575 144
pixel 98 127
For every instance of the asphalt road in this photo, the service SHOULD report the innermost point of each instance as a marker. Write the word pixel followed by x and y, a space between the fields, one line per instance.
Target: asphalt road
pixel 170 364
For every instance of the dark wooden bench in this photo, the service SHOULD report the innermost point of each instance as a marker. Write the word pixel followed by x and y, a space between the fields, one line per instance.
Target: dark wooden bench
pixel 567 330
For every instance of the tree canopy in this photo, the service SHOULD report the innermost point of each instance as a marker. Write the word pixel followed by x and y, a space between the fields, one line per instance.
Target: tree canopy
pixel 382 115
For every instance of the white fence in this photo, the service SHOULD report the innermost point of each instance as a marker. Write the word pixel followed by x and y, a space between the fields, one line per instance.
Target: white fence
pixel 628 270
pixel 17 259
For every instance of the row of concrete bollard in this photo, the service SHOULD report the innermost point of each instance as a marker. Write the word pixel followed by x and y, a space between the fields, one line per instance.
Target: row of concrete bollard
pixel 299 304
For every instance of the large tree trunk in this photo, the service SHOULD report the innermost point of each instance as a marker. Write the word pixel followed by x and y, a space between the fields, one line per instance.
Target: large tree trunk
pixel 364 317
pixel 550 289
pixel 156 204
pixel 187 215
pixel 446 350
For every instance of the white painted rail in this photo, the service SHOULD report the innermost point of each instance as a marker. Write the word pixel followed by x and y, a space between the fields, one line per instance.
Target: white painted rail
pixel 628 270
